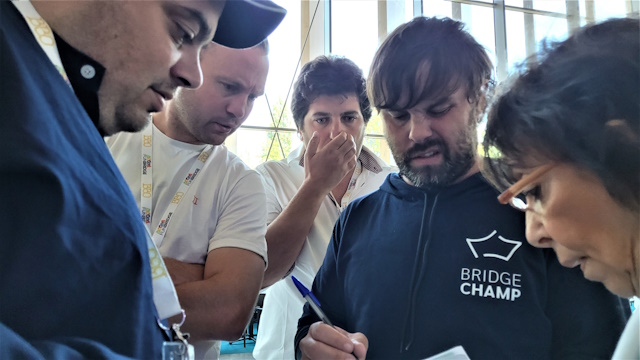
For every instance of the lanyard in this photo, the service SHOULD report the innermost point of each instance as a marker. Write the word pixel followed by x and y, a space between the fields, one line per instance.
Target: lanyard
pixel 346 198
pixel 43 34
pixel 146 180
pixel 165 297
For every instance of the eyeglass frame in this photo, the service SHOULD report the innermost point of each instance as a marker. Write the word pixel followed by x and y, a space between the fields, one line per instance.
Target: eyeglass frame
pixel 510 196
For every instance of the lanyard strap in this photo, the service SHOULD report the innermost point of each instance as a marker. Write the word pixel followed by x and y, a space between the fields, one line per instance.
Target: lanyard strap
pixel 346 198
pixel 146 179
pixel 43 34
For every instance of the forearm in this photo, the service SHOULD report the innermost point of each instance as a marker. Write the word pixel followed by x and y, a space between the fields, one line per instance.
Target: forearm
pixel 287 233
pixel 220 306
pixel 211 314
pixel 182 272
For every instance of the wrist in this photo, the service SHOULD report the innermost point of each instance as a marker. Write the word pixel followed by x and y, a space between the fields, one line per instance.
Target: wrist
pixel 314 187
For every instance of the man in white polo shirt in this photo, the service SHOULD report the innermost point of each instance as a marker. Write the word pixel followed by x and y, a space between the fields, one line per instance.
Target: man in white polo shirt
pixel 307 191
pixel 204 206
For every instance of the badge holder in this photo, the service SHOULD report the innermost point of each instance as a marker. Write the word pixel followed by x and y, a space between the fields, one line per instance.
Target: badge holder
pixel 177 348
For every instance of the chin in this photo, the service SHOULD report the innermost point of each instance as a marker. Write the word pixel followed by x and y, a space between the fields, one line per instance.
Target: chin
pixel 132 122
pixel 620 286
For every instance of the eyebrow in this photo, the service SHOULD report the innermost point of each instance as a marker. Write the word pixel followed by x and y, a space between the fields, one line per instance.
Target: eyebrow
pixel 319 114
pixel 352 113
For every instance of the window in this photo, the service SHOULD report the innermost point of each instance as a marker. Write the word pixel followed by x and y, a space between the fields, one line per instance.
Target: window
pixel 269 132
pixel 510 30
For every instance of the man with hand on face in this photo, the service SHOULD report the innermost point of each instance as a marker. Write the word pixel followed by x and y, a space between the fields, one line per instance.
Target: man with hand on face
pixel 210 233
pixel 75 262
pixel 307 191
pixel 432 260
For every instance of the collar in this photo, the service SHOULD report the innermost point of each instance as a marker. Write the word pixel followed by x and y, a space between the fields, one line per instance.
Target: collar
pixel 366 158
pixel 80 71
pixel 85 76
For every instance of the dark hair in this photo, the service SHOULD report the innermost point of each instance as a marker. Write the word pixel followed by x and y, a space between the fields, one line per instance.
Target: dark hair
pixel 561 109
pixel 328 75
pixel 400 76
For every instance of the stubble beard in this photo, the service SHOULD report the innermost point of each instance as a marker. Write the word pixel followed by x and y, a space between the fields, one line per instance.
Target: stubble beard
pixel 454 166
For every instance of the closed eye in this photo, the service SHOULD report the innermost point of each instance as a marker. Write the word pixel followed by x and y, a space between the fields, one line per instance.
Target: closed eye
pixel 399 115
pixel 182 35
pixel 439 111
pixel 228 87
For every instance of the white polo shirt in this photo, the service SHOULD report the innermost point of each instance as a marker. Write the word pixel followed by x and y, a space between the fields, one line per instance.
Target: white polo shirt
pixel 283 304
pixel 224 206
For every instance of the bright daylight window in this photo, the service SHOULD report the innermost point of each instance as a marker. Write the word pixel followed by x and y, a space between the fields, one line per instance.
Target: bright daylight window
pixel 510 30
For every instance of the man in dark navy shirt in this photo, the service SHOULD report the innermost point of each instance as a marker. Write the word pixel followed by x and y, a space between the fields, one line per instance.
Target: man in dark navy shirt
pixel 432 261
pixel 75 270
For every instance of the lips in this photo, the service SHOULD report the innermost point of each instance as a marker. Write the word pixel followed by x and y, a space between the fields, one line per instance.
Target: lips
pixel 222 128
pixel 425 154
pixel 161 96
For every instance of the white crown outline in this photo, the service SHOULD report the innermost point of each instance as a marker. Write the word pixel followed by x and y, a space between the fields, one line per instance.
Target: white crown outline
pixel 516 246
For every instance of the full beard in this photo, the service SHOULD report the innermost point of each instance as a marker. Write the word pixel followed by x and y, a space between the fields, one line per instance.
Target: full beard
pixel 455 164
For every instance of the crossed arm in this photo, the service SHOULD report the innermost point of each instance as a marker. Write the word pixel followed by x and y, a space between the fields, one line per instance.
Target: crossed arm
pixel 218 297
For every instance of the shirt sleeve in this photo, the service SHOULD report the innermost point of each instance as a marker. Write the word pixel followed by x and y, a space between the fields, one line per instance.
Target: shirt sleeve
pixel 242 222
pixel 16 347
pixel 579 332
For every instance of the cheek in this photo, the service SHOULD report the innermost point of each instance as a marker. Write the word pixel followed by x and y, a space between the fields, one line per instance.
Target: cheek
pixel 395 134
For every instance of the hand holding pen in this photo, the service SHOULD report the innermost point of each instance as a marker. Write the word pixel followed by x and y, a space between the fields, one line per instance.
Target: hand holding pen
pixel 326 341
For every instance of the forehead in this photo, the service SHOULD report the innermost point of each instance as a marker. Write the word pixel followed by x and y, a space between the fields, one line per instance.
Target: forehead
pixel 427 85
pixel 249 65
pixel 334 104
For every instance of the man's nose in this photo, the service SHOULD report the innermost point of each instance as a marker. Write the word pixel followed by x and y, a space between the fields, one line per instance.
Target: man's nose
pixel 187 69
pixel 237 106
pixel 420 128
pixel 336 128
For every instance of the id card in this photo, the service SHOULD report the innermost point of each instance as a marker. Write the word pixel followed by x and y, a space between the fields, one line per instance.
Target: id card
pixel 177 350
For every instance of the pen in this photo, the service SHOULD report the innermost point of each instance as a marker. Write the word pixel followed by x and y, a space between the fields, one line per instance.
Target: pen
pixel 313 303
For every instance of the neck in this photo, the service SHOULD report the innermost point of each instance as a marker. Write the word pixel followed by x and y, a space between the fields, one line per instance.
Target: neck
pixel 340 189
pixel 169 123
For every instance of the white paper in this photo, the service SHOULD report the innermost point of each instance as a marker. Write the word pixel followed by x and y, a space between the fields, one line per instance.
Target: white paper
pixel 455 353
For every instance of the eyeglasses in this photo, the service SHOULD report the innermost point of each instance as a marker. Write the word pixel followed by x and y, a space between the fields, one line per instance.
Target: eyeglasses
pixel 510 196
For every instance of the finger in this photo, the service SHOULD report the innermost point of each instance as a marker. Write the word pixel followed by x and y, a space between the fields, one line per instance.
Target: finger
pixel 312 146
pixel 338 141
pixel 333 337
pixel 360 347
pixel 349 152
pixel 348 144
pixel 324 140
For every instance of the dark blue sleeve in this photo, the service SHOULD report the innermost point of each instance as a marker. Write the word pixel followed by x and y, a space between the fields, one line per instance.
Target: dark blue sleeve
pixel 587 326
pixel 12 346
pixel 326 288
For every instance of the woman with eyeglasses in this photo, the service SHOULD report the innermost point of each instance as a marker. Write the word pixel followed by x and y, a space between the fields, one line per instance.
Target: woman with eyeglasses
pixel 563 142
